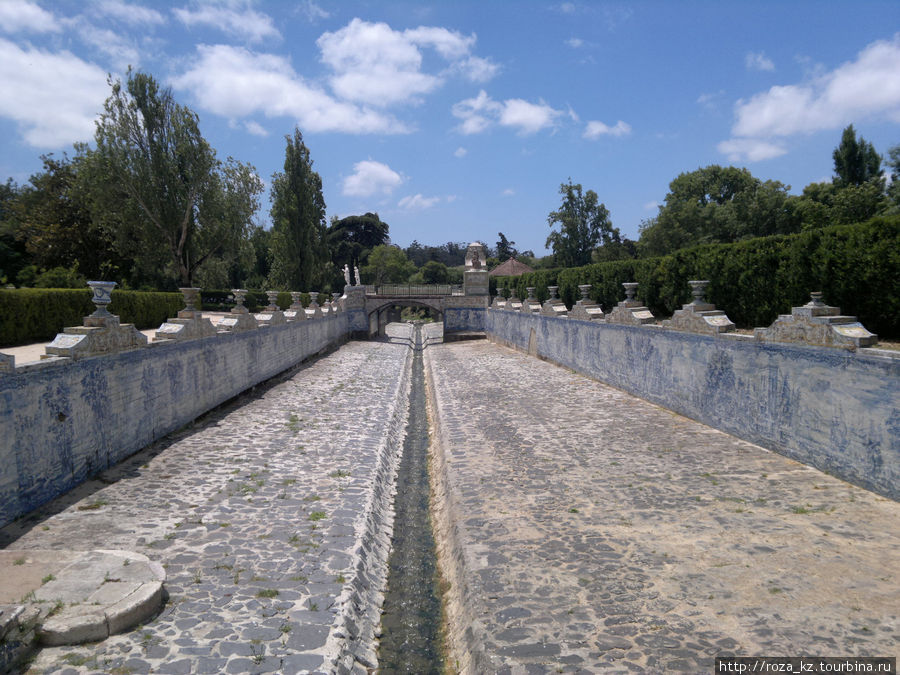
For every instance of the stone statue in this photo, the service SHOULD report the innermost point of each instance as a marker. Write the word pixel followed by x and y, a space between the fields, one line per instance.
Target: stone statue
pixel 346 275
pixel 358 279
pixel 476 260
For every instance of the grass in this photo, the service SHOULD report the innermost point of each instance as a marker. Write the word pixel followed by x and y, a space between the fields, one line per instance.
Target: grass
pixel 339 473
pixel 317 515
pixel 267 593
pixel 47 579
pixel 94 505
pixel 19 561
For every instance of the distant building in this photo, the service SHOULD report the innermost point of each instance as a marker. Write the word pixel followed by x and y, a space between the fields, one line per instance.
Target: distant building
pixel 510 268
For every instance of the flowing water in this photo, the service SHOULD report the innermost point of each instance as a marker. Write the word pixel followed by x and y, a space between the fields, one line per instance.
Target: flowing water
pixel 411 618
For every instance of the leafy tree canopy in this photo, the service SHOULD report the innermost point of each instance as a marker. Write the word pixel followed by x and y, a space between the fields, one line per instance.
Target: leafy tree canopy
pixel 387 265
pixel 156 183
pixel 584 224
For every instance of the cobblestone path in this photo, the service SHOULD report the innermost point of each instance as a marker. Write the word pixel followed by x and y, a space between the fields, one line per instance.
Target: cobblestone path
pixel 585 530
pixel 268 516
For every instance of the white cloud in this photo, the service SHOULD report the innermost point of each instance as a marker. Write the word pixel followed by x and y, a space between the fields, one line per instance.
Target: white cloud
pixel 313 11
pixel 20 15
pixel 255 128
pixel 651 206
pixel 527 117
pixel 236 82
pixel 479 113
pixel 375 64
pixel 568 8
pixel 508 192
pixel 575 43
pixel 371 178
pixel 460 152
pixel 418 202
pixel 131 14
pixel 234 18
pixel 54 97
pixel 710 101
pixel 867 87
pixel 750 149
pixel 760 61
pixel 595 129
pixel 112 43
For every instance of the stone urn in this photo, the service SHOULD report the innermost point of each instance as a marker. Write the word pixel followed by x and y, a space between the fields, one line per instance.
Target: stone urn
pixel 191 298
pixel 102 296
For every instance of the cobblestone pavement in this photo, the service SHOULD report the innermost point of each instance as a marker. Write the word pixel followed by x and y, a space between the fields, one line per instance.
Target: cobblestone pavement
pixel 585 530
pixel 268 515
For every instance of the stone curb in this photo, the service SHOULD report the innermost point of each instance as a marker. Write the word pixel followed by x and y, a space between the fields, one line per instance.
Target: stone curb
pixel 103 592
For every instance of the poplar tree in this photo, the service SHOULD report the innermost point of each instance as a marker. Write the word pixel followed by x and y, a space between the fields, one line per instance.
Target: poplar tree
pixel 298 247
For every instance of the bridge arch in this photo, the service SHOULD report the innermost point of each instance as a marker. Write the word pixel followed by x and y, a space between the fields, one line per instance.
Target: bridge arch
pixel 381 311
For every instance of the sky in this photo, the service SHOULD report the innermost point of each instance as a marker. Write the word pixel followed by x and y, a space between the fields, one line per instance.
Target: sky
pixel 458 120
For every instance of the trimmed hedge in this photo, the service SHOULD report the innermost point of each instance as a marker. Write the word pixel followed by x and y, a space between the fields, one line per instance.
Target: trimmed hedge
pixel 857 267
pixel 37 314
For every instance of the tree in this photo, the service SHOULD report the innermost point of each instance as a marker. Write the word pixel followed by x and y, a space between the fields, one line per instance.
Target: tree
pixel 352 239
pixel 156 182
pixel 855 160
pixel 299 250
pixel 716 204
pixel 893 190
pixel 55 223
pixel 584 224
pixel 388 265
pixel 506 249
pixel 434 272
pixel 13 256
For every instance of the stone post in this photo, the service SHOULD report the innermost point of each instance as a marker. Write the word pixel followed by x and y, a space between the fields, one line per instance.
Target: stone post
pixel 816 323
pixel 189 324
pixel 531 305
pixel 240 318
pixel 630 311
pixel 554 306
pixel 586 309
pixel 314 311
pixel 295 312
pixel 101 333
pixel 513 304
pixel 336 302
pixel 272 316
pixel 699 316
pixel 499 301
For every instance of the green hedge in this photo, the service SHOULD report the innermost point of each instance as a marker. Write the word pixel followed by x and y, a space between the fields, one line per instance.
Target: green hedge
pixel 38 314
pixel 857 267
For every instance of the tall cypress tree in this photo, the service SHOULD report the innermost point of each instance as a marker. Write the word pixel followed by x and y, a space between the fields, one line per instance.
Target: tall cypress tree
pixel 298 248
pixel 855 161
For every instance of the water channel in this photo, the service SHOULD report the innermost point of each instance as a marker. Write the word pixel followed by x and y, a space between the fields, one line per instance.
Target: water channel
pixel 411 619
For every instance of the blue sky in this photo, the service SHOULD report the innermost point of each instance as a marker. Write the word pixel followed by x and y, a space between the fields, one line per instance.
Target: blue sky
pixel 456 120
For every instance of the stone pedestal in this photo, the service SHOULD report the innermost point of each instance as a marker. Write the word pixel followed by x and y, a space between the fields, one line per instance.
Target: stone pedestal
pixel 630 311
pixel 295 312
pixel 699 316
pixel 586 309
pixel 476 282
pixel 314 311
pixel 531 304
pixel 554 306
pixel 816 323
pixel 240 318
pixel 101 333
pixel 513 304
pixel 272 316
pixel 336 302
pixel 499 301
pixel 189 324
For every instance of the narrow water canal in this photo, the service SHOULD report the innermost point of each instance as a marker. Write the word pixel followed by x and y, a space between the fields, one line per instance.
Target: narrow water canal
pixel 411 619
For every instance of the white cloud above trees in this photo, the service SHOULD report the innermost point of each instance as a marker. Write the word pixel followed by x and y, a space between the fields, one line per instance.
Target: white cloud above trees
pixel 21 15
pixel 866 88
pixel 53 97
pixel 236 18
pixel 596 129
pixel 479 113
pixel 236 82
pixel 371 178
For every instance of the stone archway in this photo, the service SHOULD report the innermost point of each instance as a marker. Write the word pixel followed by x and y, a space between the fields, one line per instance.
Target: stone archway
pixel 386 310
